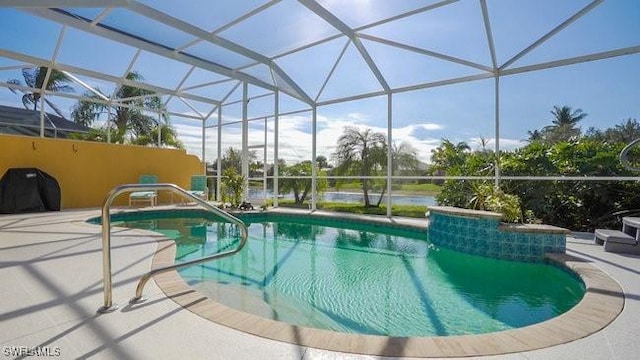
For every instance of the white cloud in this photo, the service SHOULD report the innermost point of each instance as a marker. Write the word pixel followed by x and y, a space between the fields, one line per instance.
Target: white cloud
pixel 430 126
pixel 510 144
pixel 295 137
pixel 357 116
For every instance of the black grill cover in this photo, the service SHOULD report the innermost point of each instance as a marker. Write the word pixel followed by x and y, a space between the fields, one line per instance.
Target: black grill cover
pixel 28 190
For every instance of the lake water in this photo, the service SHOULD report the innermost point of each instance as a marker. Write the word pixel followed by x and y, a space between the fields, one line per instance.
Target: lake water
pixel 356 197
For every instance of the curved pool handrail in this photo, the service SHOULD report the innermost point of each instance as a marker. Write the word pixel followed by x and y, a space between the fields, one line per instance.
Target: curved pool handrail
pixel 106 238
pixel 625 152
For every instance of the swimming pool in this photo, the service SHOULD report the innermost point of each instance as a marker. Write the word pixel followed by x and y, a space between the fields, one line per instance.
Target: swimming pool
pixel 362 278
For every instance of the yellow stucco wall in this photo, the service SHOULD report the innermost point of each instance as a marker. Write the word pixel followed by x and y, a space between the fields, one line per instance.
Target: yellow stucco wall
pixel 87 171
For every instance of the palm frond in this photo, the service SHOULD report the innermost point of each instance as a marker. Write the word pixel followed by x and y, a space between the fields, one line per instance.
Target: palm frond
pixel 28 100
pixel 29 77
pixel 15 82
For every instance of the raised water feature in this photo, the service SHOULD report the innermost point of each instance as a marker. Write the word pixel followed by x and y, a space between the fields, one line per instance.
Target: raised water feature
pixel 481 233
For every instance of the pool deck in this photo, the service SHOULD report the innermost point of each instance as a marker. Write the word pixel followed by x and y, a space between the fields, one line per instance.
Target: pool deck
pixel 51 278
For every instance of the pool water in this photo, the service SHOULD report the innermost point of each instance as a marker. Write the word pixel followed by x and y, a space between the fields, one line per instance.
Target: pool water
pixel 367 279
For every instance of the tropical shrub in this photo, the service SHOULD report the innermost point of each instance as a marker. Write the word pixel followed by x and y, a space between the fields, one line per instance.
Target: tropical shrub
pixel 232 186
pixel 506 204
pixel 575 204
pixel 301 187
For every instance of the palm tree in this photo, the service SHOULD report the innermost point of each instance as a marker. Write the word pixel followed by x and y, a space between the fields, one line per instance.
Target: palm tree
pixel 624 132
pixel 34 78
pixel 127 120
pixel 297 180
pixel 233 185
pixel 564 123
pixel 361 153
pixel 403 157
pixel 233 158
pixel 449 155
pixel 535 135
pixel 322 162
pixel 168 136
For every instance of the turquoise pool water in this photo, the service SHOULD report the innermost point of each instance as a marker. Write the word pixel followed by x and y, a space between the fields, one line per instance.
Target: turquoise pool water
pixel 367 279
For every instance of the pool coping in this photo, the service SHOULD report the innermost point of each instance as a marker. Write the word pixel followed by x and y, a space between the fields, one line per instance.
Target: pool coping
pixel 602 303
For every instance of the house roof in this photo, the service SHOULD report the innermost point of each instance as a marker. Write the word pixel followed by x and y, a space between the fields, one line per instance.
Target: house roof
pixel 27 122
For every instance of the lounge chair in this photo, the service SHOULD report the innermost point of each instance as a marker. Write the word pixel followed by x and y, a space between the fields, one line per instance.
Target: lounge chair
pixel 150 197
pixel 626 241
pixel 199 186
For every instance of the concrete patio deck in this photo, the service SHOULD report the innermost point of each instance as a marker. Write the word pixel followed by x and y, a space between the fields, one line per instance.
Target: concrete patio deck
pixel 51 281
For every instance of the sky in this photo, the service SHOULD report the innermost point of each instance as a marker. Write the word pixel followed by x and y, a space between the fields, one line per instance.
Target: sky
pixel 607 90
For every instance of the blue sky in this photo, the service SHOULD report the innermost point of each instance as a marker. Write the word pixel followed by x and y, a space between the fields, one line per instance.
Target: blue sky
pixel 607 90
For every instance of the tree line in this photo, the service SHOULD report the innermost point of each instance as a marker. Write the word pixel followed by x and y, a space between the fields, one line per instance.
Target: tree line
pixel 560 149
pixel 360 153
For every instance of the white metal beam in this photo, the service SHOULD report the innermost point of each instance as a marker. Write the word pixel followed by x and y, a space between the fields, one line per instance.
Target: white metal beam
pixel 368 26
pixel 497 132
pixel 229 93
pixel 574 60
pixel 85 85
pixel 333 68
pixel 314 164
pixel 288 113
pixel 124 75
pixel 94 74
pixel 121 100
pixel 191 107
pixel 298 92
pixel 203 151
pixel 346 30
pixel 21 87
pixel 389 151
pixel 406 14
pixel 101 16
pixel 229 45
pixel 14 67
pixel 487 29
pixel 122 37
pixel 210 83
pixel 569 61
pixel 63 3
pixel 427 52
pixel 159 129
pixel 372 65
pixel 276 144
pixel 245 142
pixel 307 46
pixel 410 88
pixel 47 76
pixel 184 78
pixel 231 24
pixel 211 113
pixel 80 97
pixel 219 158
pixel 551 33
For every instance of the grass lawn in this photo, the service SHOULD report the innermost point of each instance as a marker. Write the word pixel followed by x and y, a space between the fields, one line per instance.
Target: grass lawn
pixel 398 189
pixel 416 211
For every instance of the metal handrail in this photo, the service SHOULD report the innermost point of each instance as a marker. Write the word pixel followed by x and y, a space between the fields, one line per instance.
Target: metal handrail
pixel 623 156
pixel 106 238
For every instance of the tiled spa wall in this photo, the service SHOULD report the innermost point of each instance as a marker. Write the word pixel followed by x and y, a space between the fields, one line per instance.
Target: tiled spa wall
pixel 482 233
